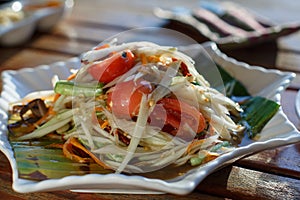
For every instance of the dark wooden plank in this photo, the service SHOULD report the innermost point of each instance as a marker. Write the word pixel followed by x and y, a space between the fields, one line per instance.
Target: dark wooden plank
pixel 246 184
pixel 120 13
pixel 288 60
pixel 75 30
pixel 265 54
pixel 61 45
pixel 283 161
pixel 32 58
pixel 290 43
pixel 7 53
pixel 4 195
pixel 81 37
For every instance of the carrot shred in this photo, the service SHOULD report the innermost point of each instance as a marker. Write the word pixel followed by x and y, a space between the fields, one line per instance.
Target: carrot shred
pixel 193 144
pixel 102 47
pixel 153 58
pixel 69 153
pixel 71 77
pixel 104 124
pixel 67 150
pixel 99 109
pixel 143 59
pixel 56 97
pixel 210 156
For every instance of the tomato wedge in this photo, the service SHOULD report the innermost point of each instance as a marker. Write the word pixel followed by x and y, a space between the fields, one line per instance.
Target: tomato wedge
pixel 170 114
pixel 125 98
pixel 110 68
pixel 176 113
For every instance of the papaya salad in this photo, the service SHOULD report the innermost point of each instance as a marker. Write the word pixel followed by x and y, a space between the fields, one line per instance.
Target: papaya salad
pixel 133 108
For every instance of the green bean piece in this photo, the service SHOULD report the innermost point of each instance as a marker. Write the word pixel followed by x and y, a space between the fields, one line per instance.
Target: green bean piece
pixel 69 88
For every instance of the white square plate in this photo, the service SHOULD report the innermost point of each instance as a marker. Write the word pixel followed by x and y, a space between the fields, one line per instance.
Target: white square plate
pixel 268 83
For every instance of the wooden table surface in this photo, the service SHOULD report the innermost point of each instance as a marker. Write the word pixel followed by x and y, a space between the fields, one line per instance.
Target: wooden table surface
pixel 271 174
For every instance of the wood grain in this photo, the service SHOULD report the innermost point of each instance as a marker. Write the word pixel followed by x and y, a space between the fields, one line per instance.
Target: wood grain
pixel 271 174
pixel 238 182
pixel 282 161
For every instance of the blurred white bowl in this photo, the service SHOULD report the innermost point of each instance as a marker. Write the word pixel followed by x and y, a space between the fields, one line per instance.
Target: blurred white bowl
pixel 39 15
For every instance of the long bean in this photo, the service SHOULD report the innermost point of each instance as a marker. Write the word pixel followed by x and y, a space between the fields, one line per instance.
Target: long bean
pixel 72 89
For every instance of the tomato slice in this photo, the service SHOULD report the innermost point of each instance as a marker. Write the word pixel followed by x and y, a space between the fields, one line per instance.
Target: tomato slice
pixel 110 68
pixel 125 98
pixel 169 114
pixel 184 69
pixel 176 113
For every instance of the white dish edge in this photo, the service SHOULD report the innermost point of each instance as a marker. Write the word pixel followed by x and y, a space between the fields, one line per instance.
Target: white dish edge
pixel 115 183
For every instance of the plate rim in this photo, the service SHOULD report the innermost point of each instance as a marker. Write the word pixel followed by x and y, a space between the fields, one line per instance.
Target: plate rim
pixel 136 185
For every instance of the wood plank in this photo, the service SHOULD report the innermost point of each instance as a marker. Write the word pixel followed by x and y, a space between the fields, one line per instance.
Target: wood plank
pixel 259 58
pixel 61 45
pixel 94 35
pixel 140 14
pixel 285 12
pixel 81 31
pixel 291 42
pixel 288 60
pixel 32 58
pixel 7 53
pixel 241 183
pixel 4 195
pixel 283 161
pixel 118 12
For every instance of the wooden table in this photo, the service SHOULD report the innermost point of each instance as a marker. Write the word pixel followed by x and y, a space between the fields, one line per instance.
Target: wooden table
pixel 271 174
